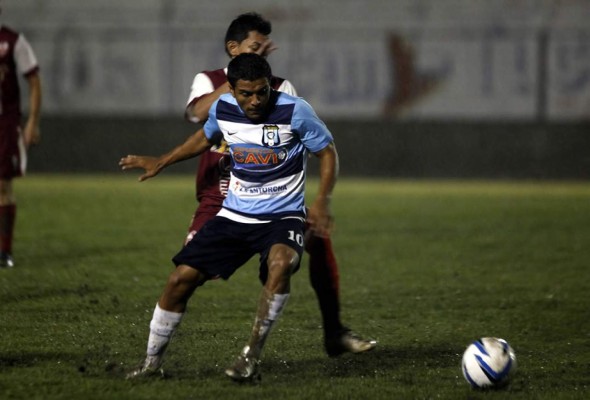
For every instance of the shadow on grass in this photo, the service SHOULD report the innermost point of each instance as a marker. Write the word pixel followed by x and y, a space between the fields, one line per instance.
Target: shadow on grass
pixel 381 361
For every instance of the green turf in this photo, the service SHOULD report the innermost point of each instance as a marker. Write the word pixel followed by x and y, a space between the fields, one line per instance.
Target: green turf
pixel 426 267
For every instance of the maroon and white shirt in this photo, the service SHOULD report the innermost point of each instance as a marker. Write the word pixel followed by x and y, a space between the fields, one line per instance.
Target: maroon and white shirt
pixel 16 57
pixel 213 173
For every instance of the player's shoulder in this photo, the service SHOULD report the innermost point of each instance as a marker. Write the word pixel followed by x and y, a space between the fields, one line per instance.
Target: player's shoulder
pixel 301 109
pixel 8 33
pixel 225 103
pixel 298 104
pixel 215 73
pixel 227 98
pixel 276 82
pixel 292 106
pixel 217 76
pixel 283 85
pixel 283 97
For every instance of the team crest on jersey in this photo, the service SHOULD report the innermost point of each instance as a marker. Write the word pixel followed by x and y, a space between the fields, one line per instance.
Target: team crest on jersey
pixel 4 46
pixel 270 135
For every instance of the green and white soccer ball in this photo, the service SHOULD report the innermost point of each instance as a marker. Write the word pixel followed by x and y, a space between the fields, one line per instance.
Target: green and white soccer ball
pixel 488 362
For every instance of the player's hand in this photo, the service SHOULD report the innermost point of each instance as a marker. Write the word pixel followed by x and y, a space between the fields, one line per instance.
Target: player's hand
pixel 31 134
pixel 320 219
pixel 266 48
pixel 149 164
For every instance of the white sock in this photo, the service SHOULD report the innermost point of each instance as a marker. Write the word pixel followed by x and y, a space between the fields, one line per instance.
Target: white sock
pixel 276 306
pixel 162 327
pixel 270 309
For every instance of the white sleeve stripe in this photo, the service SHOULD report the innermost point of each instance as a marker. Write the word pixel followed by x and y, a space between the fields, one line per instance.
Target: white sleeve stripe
pixel 202 85
pixel 287 87
pixel 24 55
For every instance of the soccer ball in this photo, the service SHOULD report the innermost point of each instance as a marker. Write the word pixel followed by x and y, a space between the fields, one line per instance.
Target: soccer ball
pixel 487 362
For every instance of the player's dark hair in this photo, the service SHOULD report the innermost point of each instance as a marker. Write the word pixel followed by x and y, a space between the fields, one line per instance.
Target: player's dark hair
pixel 245 23
pixel 248 67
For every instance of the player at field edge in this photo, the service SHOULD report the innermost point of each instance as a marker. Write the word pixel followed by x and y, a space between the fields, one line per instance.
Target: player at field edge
pixel 249 33
pixel 16 56
pixel 269 134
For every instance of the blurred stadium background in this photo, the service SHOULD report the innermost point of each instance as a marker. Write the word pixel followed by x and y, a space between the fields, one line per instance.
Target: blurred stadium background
pixel 410 88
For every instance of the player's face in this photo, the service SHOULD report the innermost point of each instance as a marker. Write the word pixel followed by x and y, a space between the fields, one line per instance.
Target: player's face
pixel 254 43
pixel 252 97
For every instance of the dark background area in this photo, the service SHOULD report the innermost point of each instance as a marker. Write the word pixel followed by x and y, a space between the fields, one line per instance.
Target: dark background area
pixel 369 148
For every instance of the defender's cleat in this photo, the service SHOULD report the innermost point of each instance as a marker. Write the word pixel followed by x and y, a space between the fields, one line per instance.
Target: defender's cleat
pixel 150 368
pixel 245 368
pixel 6 260
pixel 347 342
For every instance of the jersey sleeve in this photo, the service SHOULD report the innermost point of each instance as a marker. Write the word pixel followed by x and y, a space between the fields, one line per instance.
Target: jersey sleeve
pixel 201 86
pixel 24 56
pixel 313 132
pixel 211 127
pixel 287 87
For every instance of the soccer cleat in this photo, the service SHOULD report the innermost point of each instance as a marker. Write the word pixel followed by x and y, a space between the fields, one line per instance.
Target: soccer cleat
pixel 245 368
pixel 347 341
pixel 150 368
pixel 6 260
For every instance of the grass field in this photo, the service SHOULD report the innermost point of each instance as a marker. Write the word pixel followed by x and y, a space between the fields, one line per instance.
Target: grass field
pixel 426 267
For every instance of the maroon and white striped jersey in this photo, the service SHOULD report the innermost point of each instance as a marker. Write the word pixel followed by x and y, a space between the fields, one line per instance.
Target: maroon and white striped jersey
pixel 16 56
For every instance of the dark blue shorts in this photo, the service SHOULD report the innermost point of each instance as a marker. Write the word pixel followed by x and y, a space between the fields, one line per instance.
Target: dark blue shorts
pixel 222 246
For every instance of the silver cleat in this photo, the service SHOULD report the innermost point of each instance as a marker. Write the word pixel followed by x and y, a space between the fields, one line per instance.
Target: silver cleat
pixel 150 368
pixel 245 368
pixel 348 342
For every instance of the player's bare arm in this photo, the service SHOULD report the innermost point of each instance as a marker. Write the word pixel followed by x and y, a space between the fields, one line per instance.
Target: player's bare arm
pixel 319 215
pixel 31 132
pixel 200 108
pixel 196 144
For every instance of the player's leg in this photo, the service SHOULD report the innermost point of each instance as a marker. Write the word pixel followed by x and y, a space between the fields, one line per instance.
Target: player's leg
pixel 13 161
pixel 324 277
pixel 181 284
pixel 209 251
pixel 282 261
pixel 325 280
pixel 7 222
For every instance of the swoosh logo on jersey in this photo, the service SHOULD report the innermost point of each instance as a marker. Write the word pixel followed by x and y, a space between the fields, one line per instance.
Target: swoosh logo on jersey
pixel 231 133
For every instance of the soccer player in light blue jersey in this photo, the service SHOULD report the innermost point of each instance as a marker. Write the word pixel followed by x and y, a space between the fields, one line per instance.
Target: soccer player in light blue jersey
pixel 250 33
pixel 269 135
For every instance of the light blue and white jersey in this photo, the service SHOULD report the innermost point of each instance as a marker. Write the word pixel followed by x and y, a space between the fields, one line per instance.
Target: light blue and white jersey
pixel 268 157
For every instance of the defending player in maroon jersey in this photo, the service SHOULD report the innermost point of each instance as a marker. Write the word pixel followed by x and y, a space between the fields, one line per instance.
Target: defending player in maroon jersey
pixel 16 57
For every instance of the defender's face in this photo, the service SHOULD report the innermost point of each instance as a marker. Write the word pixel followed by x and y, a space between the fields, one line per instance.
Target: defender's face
pixel 253 97
pixel 251 44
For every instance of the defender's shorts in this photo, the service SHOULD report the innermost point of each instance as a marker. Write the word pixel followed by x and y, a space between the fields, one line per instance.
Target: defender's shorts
pixel 199 219
pixel 222 246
